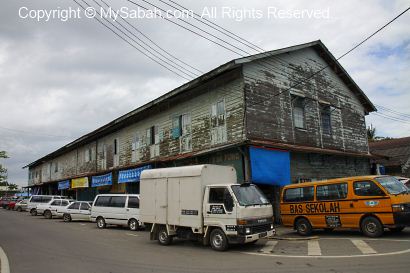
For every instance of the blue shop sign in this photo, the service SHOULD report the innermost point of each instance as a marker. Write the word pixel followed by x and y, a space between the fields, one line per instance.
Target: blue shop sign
pixel 132 175
pixel 64 185
pixel 101 180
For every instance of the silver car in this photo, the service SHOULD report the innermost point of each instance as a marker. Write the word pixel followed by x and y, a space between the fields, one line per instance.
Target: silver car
pixel 79 210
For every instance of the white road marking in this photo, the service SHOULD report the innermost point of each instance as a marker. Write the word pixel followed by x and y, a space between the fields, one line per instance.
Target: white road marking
pixel 268 247
pixel 82 224
pixel 332 257
pixel 364 247
pixel 130 234
pixel 314 248
pixel 4 262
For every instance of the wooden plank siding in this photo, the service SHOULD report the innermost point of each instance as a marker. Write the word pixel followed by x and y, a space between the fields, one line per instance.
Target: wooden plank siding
pixel 269 115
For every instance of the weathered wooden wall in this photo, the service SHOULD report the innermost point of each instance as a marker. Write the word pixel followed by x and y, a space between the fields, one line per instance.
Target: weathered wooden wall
pixel 269 110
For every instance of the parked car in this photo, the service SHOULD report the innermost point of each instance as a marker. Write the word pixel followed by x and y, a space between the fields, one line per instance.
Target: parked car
pixel 39 199
pixel 116 209
pixel 78 210
pixel 4 202
pixel 12 203
pixel 21 205
pixel 50 209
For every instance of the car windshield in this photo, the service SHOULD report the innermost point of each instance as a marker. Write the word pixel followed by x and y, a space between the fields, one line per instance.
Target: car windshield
pixel 248 195
pixel 392 185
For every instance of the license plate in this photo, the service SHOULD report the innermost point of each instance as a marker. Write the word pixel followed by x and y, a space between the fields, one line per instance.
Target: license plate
pixel 263 234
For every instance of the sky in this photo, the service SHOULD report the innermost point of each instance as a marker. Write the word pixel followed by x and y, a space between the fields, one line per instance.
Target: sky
pixel 61 77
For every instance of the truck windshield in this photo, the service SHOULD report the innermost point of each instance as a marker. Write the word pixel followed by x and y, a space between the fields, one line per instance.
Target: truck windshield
pixel 248 195
pixel 392 185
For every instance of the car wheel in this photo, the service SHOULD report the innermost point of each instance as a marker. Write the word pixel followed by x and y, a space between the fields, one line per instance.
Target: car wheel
pixel 133 225
pixel 396 229
pixel 47 214
pixel 19 209
pixel 66 217
pixel 33 212
pixel 8 208
pixel 371 227
pixel 163 237
pixel 101 223
pixel 218 240
pixel 303 227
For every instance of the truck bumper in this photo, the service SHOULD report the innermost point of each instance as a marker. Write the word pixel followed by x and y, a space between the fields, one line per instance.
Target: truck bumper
pixel 401 219
pixel 243 239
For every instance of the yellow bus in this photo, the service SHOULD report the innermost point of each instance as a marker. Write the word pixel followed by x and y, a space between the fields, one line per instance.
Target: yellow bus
pixel 367 203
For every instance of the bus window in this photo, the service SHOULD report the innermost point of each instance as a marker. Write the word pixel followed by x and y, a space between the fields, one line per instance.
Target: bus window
pixel 299 194
pixel 367 188
pixel 331 192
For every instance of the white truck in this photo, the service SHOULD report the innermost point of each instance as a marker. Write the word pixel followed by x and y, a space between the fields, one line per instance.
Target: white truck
pixel 205 203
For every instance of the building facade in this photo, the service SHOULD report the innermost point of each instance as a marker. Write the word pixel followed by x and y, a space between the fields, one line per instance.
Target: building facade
pixel 285 116
pixel 394 156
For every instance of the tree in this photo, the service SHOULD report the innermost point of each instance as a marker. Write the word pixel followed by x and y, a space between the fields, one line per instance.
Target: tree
pixel 371 133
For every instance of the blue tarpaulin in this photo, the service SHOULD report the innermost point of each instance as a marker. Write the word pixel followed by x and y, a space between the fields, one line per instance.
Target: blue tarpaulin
pixel 269 166
pixel 132 175
pixel 101 180
pixel 63 185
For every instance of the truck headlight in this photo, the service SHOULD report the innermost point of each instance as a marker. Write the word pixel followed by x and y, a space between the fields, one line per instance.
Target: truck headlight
pixel 247 230
pixel 397 208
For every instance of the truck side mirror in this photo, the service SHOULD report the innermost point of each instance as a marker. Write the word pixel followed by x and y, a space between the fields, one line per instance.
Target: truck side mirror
pixel 228 201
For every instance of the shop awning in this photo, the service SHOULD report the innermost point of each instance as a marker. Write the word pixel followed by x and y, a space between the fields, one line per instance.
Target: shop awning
pixel 63 185
pixel 270 166
pixel 131 175
pixel 81 182
pixel 101 180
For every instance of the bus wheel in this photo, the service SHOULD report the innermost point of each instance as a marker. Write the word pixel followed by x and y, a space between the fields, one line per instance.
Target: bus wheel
pixel 371 227
pixel 303 227
pixel 396 229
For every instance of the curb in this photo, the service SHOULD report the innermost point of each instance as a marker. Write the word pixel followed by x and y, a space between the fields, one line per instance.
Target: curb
pixel 294 238
pixel 4 262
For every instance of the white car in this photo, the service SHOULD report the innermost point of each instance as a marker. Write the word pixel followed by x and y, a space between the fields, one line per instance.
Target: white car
pixel 49 210
pixel 40 199
pixel 78 210
pixel 116 209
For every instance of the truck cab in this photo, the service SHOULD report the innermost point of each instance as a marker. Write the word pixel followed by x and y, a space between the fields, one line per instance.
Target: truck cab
pixel 240 210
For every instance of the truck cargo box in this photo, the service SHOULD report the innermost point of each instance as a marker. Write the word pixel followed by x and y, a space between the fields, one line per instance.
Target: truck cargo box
pixel 174 196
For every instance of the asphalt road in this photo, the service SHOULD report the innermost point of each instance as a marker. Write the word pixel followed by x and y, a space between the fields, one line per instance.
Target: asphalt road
pixel 38 245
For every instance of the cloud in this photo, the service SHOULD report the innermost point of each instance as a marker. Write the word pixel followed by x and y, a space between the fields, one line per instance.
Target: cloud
pixel 60 80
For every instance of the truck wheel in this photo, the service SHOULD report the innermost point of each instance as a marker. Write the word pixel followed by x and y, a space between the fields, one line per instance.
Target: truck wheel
pixel 19 209
pixel 396 229
pixel 303 227
pixel 66 217
pixel 133 225
pixel 101 223
pixel 371 227
pixel 33 212
pixel 218 240
pixel 163 237
pixel 47 214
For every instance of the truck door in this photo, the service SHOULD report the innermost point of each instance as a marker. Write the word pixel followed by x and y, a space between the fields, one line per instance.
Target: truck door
pixel 219 208
pixel 161 189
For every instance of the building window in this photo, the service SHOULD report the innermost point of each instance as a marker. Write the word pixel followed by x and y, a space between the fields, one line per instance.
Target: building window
pixel 298 112
pixel 181 129
pixel 325 115
pixel 88 155
pixel 136 145
pixel 115 146
pixel 55 167
pixel 218 122
pixel 152 135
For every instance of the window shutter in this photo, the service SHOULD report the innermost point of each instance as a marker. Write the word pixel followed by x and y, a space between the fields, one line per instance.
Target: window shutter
pixel 176 127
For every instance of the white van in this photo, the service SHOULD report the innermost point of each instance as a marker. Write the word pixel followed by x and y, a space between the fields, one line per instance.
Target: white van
pixel 40 199
pixel 116 209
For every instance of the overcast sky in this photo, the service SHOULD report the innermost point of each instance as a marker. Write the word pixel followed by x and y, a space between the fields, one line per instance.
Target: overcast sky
pixel 61 79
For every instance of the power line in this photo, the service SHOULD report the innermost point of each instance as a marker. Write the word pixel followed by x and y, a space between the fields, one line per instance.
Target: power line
pixel 33 133
pixel 152 42
pixel 128 42
pixel 393 111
